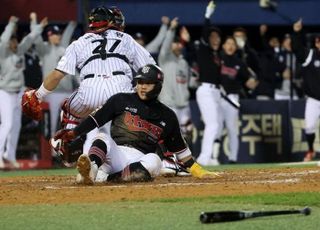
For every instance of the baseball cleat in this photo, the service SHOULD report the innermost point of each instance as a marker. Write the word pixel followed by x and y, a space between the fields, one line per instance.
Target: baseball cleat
pixel 87 170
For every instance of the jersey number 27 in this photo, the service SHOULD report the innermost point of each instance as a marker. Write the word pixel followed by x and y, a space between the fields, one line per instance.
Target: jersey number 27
pixel 101 48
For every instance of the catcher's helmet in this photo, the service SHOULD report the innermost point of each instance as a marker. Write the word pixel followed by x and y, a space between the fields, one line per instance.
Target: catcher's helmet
pixel 153 74
pixel 119 19
pixel 100 19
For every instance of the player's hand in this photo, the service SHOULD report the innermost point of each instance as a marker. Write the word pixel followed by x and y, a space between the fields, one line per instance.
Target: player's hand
pixel 210 9
pixel 65 135
pixel 33 17
pixel 174 23
pixel 197 171
pixel 297 26
pixel 165 20
pixel 44 22
pixel 251 83
pixel 13 19
pixel 184 34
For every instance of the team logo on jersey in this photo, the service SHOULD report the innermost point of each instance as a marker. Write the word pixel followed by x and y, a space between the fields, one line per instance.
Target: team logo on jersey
pixel 135 123
pixel 317 63
pixel 145 69
pixel 229 71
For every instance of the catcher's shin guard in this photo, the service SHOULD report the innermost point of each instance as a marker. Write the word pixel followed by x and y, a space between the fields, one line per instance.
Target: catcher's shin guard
pixel 67 119
pixel 135 172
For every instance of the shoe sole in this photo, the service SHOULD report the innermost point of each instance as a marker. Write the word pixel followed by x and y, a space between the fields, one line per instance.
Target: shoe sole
pixel 84 167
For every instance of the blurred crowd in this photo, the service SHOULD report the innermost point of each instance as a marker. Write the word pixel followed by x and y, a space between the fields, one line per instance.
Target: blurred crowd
pixel 217 71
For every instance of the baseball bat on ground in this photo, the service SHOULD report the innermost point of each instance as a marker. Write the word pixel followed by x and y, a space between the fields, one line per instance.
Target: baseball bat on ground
pixel 225 216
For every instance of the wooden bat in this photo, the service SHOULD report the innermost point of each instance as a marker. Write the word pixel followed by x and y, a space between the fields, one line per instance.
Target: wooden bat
pixel 232 102
pixel 225 216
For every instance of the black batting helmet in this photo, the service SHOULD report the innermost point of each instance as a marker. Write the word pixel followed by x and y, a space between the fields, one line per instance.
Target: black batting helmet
pixel 100 19
pixel 119 19
pixel 152 74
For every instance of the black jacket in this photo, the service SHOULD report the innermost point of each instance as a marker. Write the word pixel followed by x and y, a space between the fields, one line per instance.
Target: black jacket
pixel 310 65
pixel 209 60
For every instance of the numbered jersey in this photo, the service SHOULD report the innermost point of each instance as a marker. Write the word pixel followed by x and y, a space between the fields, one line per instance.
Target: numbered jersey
pixel 104 55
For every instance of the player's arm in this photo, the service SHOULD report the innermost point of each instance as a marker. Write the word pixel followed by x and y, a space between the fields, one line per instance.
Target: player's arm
pixel 165 50
pixel 6 35
pixel 139 55
pixel 177 145
pixel 49 84
pixel 297 42
pixel 206 27
pixel 67 34
pixel 95 120
pixel 28 40
pixel 154 45
pixel 66 65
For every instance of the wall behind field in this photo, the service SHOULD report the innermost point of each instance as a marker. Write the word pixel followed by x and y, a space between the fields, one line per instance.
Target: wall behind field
pixel 228 12
pixel 57 10
pixel 190 12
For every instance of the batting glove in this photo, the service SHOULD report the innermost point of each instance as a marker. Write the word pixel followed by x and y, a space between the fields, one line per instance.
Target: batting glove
pixel 197 171
pixel 210 9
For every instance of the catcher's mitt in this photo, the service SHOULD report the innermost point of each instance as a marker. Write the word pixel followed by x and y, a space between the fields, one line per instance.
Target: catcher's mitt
pixel 31 105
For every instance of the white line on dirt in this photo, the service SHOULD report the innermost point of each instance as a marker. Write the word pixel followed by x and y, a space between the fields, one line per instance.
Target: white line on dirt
pixel 287 181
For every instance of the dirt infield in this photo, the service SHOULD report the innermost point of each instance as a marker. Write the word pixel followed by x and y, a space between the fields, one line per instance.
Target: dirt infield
pixel 62 189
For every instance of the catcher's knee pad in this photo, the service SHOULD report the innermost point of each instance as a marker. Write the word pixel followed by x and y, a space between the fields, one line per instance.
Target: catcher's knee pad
pixel 68 120
pixel 98 151
pixel 152 163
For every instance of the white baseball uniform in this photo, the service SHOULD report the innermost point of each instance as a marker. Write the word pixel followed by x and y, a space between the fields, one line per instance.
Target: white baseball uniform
pixel 119 156
pixel 106 63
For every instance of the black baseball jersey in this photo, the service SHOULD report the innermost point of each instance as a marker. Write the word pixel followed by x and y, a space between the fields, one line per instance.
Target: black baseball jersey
pixel 310 66
pixel 234 73
pixel 137 123
pixel 209 60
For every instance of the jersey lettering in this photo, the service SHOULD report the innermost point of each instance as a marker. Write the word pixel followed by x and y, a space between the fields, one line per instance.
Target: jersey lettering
pixel 115 45
pixel 101 48
pixel 135 123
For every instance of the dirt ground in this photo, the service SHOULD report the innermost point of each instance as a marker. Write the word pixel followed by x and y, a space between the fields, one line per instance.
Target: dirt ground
pixel 63 189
